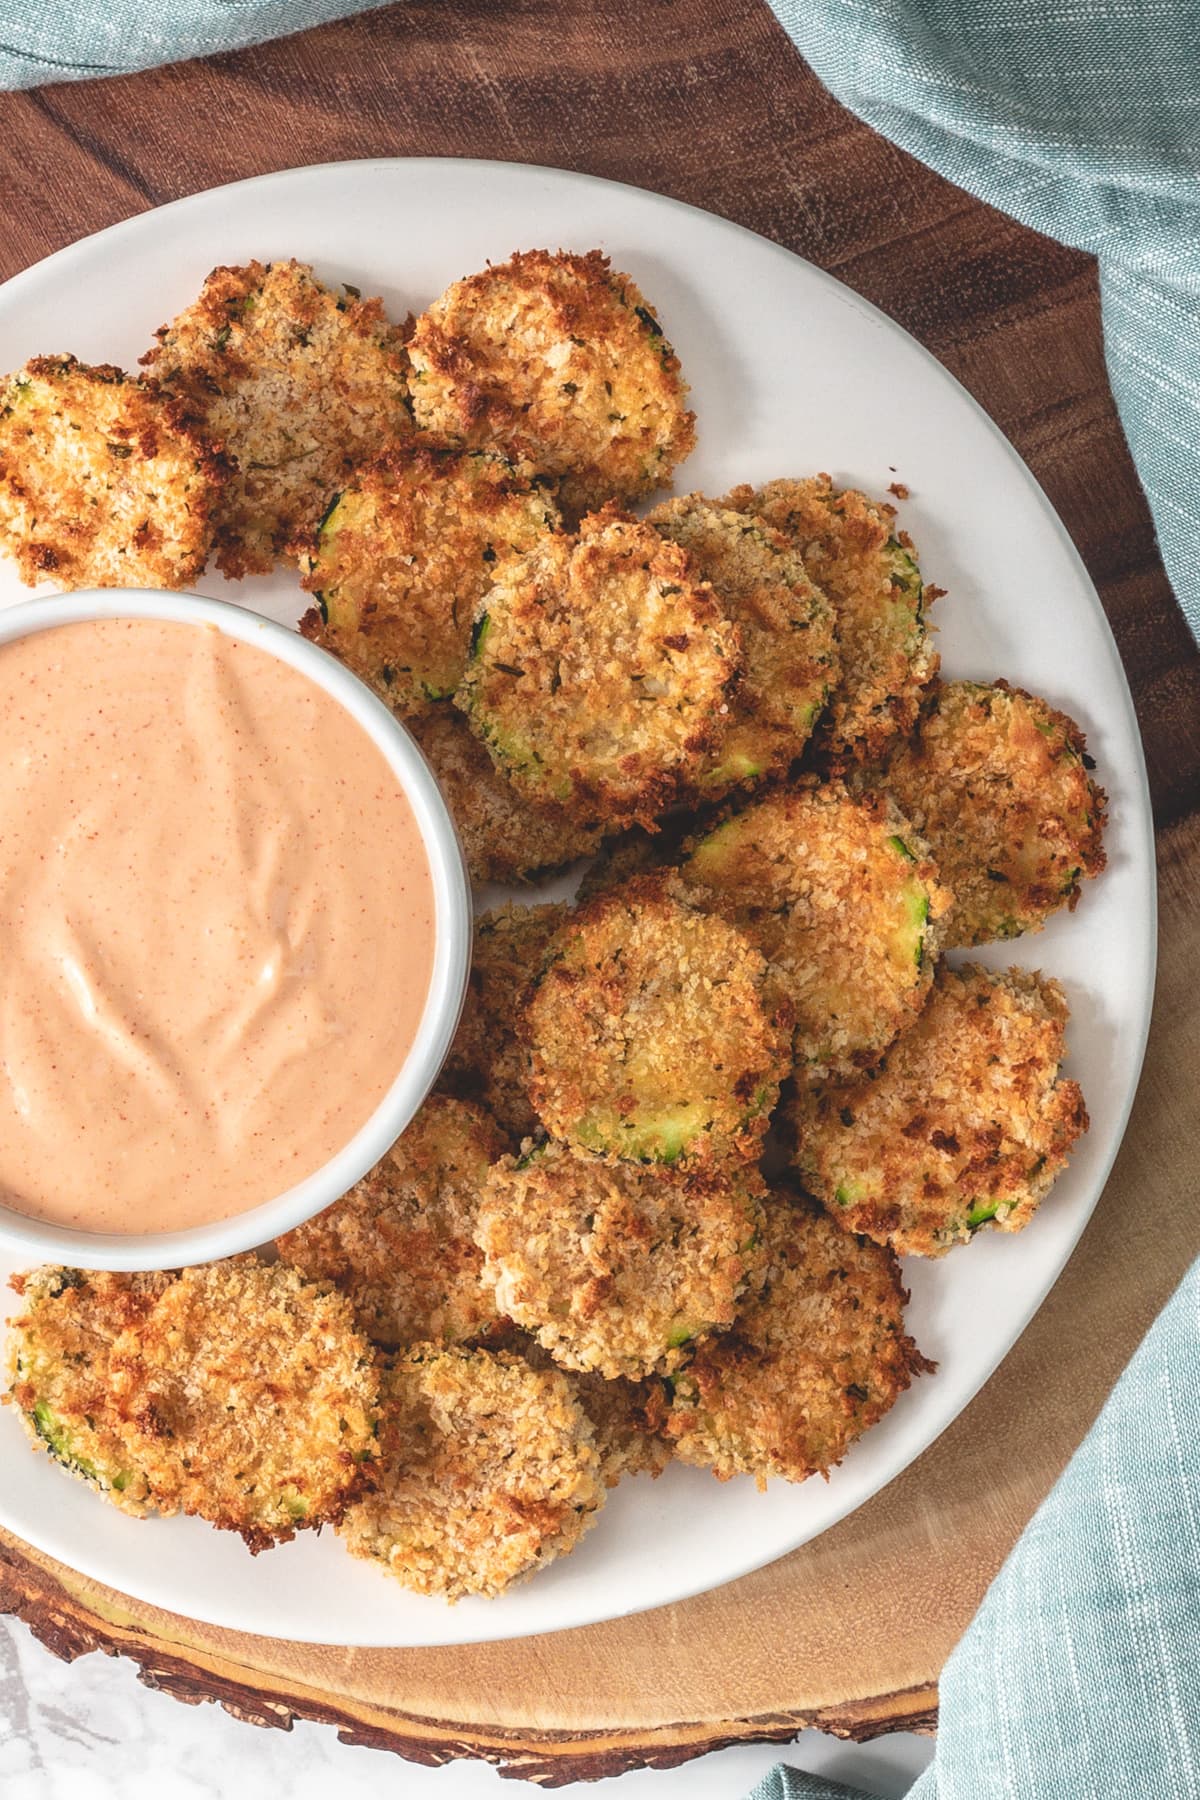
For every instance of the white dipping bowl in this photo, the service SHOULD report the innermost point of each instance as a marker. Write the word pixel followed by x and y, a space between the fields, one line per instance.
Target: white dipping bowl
pixel 37 1242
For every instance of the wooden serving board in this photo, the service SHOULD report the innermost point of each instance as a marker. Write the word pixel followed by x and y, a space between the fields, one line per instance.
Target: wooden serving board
pixel 707 101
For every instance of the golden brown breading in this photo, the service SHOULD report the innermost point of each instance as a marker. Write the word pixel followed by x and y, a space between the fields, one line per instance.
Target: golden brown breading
pixel 63 1382
pixel 506 836
pixel 869 571
pixel 599 670
pixel 559 361
pixel 967 1124
pixel 102 482
pixel 488 1470
pixel 815 1359
pixel 402 558
pixel 788 633
pixel 840 896
pixel 400 1245
pixel 619 1268
pixel 628 1417
pixel 241 1393
pixel 490 1053
pixel 298 385
pixel 998 783
pixel 654 1032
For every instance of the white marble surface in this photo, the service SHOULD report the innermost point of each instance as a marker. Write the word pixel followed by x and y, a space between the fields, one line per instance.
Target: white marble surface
pixel 91 1731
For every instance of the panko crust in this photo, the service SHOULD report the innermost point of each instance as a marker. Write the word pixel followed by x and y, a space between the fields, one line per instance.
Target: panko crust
pixel 789 636
pixel 868 568
pixel 506 835
pixel 103 482
pixel 599 672
pixel 401 1244
pixel 967 1124
pixel 998 782
pixel 402 557
pixel 816 1358
pixel 618 1269
pixel 297 384
pixel 841 896
pixel 628 1417
pixel 654 1032
pixel 243 1394
pixel 488 1470
pixel 490 1053
pixel 558 360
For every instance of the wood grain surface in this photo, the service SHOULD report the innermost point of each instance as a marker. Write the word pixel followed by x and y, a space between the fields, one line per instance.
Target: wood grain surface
pixel 708 102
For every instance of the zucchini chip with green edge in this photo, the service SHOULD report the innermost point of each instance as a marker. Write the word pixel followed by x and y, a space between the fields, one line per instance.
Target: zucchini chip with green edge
pixel 655 1032
pixel 618 1269
pixel 841 897
pixel 856 554
pixel 402 557
pixel 817 1356
pixel 599 670
pixel 999 783
pixel 967 1124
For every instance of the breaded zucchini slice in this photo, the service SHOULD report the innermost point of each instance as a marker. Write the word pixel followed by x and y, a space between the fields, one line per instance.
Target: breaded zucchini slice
pixel 616 1268
pixel 103 483
pixel 842 899
pixel 599 670
pixel 654 1032
pixel 998 782
pixel 967 1124
pixel 298 384
pixel 817 1356
pixel 404 554
pixel 240 1393
pixel 788 634
pixel 69 1388
pixel 557 360
pixel 490 1053
pixel 868 568
pixel 400 1245
pixel 488 1470
pixel 506 836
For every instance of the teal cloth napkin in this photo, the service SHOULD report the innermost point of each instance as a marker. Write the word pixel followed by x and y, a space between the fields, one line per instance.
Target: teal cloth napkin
pixel 1079 1678
pixel 1082 119
pixel 72 40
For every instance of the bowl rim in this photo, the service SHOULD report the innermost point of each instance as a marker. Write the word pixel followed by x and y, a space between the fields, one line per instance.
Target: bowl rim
pixel 44 1241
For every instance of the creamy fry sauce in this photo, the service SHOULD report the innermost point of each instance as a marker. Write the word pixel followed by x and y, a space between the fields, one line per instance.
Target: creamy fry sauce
pixel 216 926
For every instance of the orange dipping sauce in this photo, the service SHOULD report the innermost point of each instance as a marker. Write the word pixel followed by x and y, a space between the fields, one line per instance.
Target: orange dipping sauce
pixel 216 926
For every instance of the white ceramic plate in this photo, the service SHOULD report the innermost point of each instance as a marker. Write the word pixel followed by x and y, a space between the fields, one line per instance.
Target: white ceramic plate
pixel 790 373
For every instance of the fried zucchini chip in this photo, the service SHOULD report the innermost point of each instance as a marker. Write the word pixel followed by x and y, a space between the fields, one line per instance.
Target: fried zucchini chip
pixel 788 633
pixel 402 558
pixel 488 1470
pixel 103 483
pixel 559 361
pixel 506 836
pixel 490 1053
pixel 599 670
pixel 967 1124
pixel 853 551
pixel 998 782
pixel 654 1031
pixel 616 1268
pixel 243 1394
pixel 817 1357
pixel 840 896
pixel 66 1386
pixel 400 1245
pixel 297 384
